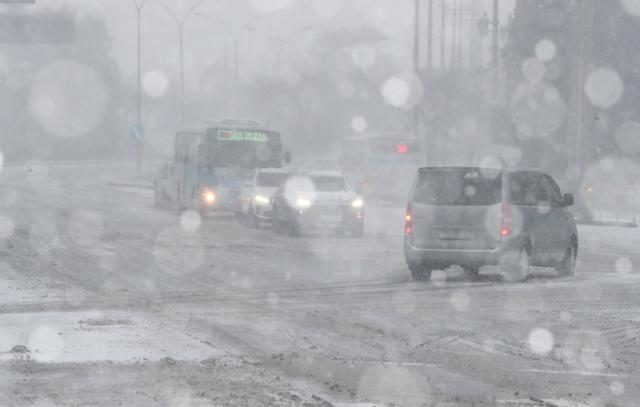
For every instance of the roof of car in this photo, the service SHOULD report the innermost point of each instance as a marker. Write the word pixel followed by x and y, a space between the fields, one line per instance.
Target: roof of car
pixel 465 168
pixel 471 168
pixel 317 173
pixel 324 174
pixel 524 169
pixel 275 170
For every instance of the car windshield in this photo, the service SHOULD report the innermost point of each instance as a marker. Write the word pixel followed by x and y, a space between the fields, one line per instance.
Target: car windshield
pixel 270 179
pixel 458 187
pixel 320 203
pixel 329 183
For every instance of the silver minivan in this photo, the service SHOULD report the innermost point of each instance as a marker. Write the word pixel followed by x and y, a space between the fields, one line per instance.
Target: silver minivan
pixel 472 217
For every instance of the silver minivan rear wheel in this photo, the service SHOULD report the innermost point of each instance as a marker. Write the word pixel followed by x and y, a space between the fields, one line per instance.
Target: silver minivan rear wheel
pixel 568 265
pixel 514 265
pixel 420 272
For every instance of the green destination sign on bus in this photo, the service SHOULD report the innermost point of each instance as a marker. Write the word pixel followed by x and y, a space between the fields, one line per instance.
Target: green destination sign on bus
pixel 235 135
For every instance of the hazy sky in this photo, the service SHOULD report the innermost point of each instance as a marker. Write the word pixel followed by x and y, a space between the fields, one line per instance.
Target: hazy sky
pixel 206 41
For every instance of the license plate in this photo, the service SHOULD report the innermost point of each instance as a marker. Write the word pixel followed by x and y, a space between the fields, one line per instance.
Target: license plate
pixel 330 218
pixel 454 235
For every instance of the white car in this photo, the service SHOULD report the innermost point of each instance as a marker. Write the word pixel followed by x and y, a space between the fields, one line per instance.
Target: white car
pixel 256 197
pixel 318 201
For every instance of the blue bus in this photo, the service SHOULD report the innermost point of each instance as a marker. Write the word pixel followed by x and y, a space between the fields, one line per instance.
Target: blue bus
pixel 212 161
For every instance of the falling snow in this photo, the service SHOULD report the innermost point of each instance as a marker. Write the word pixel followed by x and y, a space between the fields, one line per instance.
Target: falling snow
pixel 121 283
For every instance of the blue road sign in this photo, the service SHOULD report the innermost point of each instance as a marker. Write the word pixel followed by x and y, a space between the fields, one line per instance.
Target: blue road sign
pixel 137 133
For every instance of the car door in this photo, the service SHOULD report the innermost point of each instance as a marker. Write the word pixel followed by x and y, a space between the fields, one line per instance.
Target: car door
pixel 163 183
pixel 546 217
pixel 529 195
pixel 557 232
pixel 247 192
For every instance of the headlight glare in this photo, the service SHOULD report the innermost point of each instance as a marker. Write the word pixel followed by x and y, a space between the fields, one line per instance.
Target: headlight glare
pixel 303 203
pixel 261 199
pixel 209 196
pixel 357 203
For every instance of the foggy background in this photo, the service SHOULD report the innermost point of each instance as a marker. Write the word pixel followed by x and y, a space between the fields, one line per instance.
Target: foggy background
pixel 309 69
pixel 559 93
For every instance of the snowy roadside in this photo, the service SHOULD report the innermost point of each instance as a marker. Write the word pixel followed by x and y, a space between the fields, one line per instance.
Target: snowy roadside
pixel 620 241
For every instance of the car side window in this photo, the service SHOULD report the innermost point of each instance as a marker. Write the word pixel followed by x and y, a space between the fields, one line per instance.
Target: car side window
pixel 555 194
pixel 524 189
pixel 541 189
pixel 531 188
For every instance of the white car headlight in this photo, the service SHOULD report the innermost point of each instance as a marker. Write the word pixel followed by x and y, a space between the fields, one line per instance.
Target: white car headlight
pixel 261 199
pixel 303 203
pixel 357 203
pixel 209 196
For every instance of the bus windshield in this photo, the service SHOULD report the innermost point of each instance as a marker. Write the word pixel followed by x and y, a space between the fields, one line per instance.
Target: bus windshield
pixel 242 148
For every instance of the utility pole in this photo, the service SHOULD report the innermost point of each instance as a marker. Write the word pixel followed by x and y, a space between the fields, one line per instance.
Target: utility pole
pixel 473 40
pixel 180 23
pixel 461 12
pixel 416 61
pixel 494 47
pixel 453 38
pixel 581 124
pixel 443 33
pixel 139 6
pixel 235 36
pixel 416 37
pixel 430 37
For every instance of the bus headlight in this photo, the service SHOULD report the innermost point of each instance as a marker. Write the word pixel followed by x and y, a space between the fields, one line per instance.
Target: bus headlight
pixel 303 203
pixel 261 200
pixel 209 196
pixel 357 203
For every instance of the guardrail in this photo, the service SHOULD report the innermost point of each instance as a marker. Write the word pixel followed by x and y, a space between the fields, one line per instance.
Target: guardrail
pixel 132 185
pixel 608 205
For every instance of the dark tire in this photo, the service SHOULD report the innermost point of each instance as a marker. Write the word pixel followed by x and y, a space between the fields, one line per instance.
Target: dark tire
pixel 514 265
pixel 358 232
pixel 157 201
pixel 294 229
pixel 420 272
pixel 567 267
pixel 472 272
pixel 252 220
pixel 277 225
pixel 160 200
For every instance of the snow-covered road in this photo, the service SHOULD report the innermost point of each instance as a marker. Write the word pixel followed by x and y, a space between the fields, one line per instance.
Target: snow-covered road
pixel 106 301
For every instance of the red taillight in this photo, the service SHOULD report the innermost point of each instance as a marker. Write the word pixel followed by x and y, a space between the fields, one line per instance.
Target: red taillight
pixel 408 221
pixel 403 149
pixel 365 184
pixel 506 220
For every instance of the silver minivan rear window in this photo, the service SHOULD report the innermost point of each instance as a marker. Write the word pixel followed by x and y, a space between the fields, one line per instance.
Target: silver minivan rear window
pixel 458 187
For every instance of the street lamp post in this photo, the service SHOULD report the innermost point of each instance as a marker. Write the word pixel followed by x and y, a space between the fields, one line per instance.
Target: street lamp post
pixel 181 22
pixel 443 34
pixel 236 39
pixel 282 41
pixel 415 113
pixel 139 5
pixel 430 36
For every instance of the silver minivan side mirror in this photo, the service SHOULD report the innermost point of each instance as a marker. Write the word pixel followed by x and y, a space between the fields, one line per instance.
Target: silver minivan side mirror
pixel 568 199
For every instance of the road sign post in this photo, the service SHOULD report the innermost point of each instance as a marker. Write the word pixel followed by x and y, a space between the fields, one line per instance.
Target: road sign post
pixel 137 135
